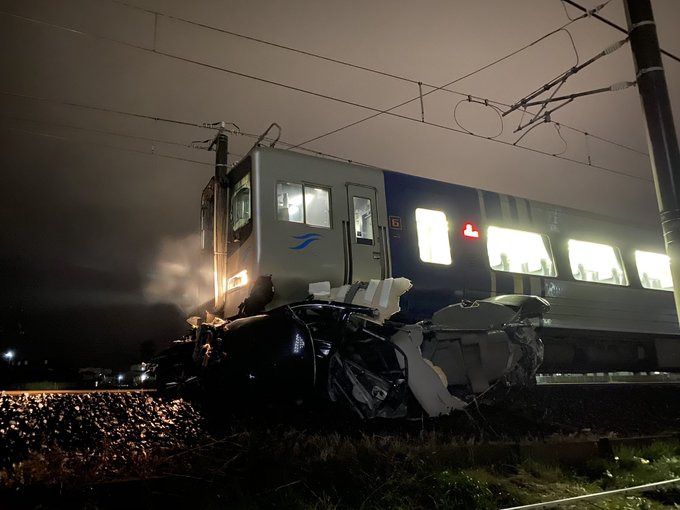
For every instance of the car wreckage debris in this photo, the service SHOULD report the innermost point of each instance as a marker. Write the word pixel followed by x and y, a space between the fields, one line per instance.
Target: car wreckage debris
pixel 340 345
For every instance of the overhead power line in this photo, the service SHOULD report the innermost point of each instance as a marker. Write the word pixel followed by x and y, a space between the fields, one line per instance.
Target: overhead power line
pixel 614 25
pixel 103 132
pixel 289 145
pixel 435 89
pixel 317 94
pixel 369 69
pixel 155 118
pixel 114 147
pixel 265 42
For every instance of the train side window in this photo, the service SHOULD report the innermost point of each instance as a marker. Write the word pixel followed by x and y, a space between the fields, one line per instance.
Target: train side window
pixel 290 202
pixel 300 203
pixel 594 262
pixel 654 270
pixel 363 220
pixel 433 236
pixel 518 251
pixel 240 203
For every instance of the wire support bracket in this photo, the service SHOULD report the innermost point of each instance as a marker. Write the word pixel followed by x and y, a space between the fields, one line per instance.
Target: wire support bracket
pixel 561 79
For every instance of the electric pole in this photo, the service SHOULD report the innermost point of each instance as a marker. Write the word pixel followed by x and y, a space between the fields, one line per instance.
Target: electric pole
pixel 221 214
pixel 661 135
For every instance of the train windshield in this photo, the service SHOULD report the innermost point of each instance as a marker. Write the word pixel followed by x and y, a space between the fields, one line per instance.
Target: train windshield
pixel 240 203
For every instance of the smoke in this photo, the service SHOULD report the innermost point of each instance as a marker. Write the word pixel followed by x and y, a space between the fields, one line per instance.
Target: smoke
pixel 181 275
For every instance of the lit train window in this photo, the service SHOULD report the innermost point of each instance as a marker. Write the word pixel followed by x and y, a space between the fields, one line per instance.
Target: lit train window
pixel 363 220
pixel 654 270
pixel 300 203
pixel 517 251
pixel 594 262
pixel 433 236
pixel 240 203
pixel 317 207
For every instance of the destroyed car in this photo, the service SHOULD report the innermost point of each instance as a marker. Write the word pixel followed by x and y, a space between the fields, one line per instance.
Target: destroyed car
pixel 336 349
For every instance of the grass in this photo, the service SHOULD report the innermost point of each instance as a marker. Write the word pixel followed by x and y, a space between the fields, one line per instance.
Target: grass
pixel 295 469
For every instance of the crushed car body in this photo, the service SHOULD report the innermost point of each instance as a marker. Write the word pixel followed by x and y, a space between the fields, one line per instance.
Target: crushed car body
pixel 342 345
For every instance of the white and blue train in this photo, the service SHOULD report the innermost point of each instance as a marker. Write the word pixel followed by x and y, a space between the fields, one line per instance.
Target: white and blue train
pixel 305 219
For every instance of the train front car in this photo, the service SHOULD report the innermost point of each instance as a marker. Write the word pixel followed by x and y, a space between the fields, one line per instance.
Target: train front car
pixel 281 221
pixel 294 220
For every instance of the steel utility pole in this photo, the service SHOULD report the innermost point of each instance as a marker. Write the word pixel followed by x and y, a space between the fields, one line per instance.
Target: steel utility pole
pixel 661 135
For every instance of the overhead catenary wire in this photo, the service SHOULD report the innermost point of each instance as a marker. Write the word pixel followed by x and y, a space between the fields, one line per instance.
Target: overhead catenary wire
pixel 559 134
pixel 99 144
pixel 364 68
pixel 562 78
pixel 591 135
pixel 473 100
pixel 324 96
pixel 289 145
pixel 556 84
pixel 438 88
pixel 209 126
pixel 545 113
pixel 103 132
pixel 107 110
pixel 613 25
pixel 357 66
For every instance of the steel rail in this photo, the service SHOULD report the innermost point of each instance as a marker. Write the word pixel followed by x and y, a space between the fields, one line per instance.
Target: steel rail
pixel 597 495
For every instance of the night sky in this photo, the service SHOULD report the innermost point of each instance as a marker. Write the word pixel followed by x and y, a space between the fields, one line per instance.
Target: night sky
pixel 100 203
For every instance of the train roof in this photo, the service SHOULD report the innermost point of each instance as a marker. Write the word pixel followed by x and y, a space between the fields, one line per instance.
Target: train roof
pixel 651 231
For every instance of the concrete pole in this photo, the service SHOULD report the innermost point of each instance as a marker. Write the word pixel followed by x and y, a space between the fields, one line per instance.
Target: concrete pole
pixel 221 216
pixel 661 135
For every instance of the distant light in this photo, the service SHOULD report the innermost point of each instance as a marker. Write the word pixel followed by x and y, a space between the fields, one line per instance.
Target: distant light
pixel 470 231
pixel 9 355
pixel 144 377
pixel 120 377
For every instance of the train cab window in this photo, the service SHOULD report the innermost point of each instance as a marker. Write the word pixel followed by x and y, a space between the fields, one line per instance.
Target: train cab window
pixel 317 207
pixel 517 251
pixel 433 236
pixel 594 262
pixel 290 202
pixel 301 203
pixel 363 220
pixel 240 203
pixel 654 270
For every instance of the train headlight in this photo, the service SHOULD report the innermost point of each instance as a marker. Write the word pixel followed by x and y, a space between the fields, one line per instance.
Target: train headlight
pixel 238 280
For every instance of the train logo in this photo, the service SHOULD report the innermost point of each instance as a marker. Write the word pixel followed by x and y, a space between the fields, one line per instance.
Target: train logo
pixel 306 239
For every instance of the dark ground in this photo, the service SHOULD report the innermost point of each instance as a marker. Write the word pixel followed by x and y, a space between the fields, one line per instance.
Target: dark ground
pixel 136 451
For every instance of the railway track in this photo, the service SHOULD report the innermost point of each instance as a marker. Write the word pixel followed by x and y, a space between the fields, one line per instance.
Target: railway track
pixel 75 392
pixel 609 378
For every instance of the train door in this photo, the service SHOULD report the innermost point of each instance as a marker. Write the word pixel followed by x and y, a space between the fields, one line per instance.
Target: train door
pixel 366 259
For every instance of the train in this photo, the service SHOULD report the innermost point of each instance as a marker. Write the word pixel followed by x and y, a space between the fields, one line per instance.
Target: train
pixel 298 219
